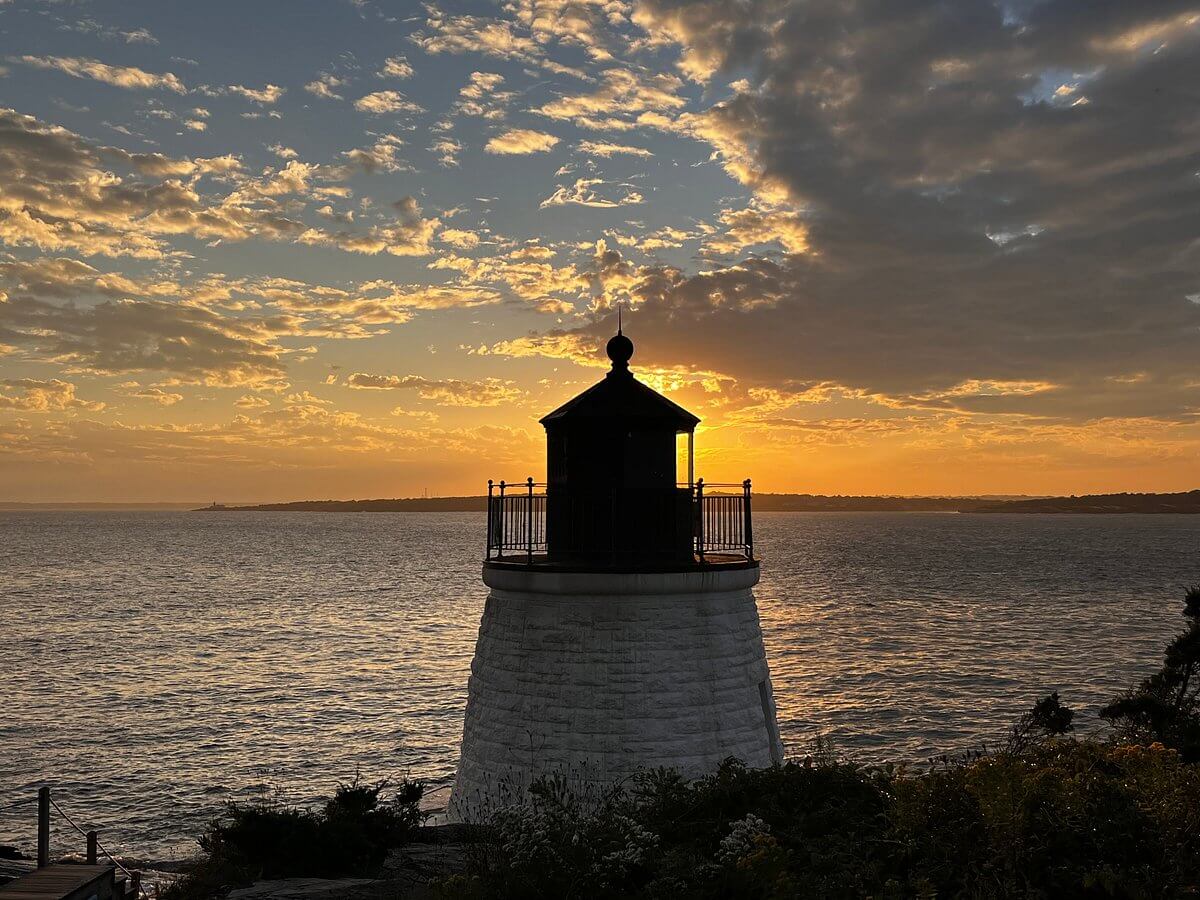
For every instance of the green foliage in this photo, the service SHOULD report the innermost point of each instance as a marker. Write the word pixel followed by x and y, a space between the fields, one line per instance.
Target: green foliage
pixel 1165 708
pixel 1063 818
pixel 1048 719
pixel 349 835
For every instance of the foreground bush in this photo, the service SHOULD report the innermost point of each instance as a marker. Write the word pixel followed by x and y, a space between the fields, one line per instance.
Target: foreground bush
pixel 350 835
pixel 1061 819
pixel 1166 706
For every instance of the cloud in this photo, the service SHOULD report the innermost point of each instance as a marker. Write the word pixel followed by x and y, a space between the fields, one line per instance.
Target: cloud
pixel 266 95
pixel 139 36
pixel 624 97
pixel 155 395
pixel 518 141
pixel 583 193
pixel 59 192
pixel 948 220
pixel 926 244
pixel 215 330
pixel 325 85
pixel 474 34
pixel 445 392
pixel 379 157
pixel 128 77
pixel 606 150
pixel 459 238
pixel 109 33
pixel 593 25
pixel 446 149
pixel 421 415
pixel 255 455
pixel 407 235
pixel 190 344
pixel 578 347
pixel 260 309
pixel 381 102
pixel 396 67
pixel 481 98
pixel 755 226
pixel 481 84
pixel 32 395
pixel 526 271
pixel 663 238
pixel 252 401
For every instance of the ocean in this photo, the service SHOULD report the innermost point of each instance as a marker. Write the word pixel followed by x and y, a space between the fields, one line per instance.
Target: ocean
pixel 156 665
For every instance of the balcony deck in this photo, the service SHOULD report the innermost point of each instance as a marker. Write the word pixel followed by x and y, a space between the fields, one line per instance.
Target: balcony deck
pixel 540 561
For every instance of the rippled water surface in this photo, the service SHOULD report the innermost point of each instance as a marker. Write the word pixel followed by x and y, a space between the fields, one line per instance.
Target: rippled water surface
pixel 155 665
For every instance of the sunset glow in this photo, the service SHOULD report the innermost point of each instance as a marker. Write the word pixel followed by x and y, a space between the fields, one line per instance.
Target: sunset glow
pixel 273 251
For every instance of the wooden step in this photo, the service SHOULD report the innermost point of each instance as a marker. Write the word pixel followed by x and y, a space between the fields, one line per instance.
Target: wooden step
pixel 64 882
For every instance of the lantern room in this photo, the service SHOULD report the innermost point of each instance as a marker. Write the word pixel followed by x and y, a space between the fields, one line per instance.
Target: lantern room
pixel 613 498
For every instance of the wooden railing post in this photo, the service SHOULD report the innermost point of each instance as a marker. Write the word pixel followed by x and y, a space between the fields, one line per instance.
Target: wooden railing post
pixel 43 834
pixel 748 526
pixel 529 521
pixel 700 518
pixel 91 848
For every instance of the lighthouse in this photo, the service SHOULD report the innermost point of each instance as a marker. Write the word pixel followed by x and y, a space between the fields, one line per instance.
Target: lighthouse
pixel 620 630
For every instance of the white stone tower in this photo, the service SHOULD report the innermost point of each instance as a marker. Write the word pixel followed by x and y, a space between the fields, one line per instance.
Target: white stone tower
pixel 620 631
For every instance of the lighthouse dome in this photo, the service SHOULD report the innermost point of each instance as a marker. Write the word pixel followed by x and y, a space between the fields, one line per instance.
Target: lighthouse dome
pixel 619 350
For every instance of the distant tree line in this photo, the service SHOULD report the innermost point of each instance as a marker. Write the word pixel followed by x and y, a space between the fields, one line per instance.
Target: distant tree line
pixel 1186 502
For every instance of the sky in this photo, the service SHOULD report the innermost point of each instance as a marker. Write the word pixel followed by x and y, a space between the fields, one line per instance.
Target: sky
pixel 351 248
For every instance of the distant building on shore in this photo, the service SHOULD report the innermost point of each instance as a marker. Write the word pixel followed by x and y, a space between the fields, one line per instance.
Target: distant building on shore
pixel 620 631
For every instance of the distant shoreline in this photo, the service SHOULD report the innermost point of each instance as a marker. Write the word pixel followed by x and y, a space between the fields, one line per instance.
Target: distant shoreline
pixel 1187 502
pixel 1183 502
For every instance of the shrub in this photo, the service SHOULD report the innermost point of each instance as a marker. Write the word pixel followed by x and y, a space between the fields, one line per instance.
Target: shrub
pixel 1048 719
pixel 1061 818
pixel 349 835
pixel 1165 708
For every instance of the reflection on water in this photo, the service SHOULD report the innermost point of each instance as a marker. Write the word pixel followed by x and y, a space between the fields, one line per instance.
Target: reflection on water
pixel 159 664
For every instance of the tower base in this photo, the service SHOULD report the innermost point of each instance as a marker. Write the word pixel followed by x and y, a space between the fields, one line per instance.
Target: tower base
pixel 596 675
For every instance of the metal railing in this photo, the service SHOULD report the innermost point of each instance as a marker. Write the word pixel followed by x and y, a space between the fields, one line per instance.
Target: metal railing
pixel 723 523
pixel 716 518
pixel 516 518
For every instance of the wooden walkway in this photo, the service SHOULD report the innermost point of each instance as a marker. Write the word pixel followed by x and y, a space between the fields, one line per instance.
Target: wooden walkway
pixel 66 882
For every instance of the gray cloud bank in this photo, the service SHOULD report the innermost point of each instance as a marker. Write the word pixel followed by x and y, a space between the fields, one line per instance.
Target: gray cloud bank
pixel 1004 193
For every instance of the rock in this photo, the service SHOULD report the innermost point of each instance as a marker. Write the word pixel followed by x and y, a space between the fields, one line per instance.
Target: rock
pixel 414 866
pixel 302 889
pixel 408 871
pixel 447 833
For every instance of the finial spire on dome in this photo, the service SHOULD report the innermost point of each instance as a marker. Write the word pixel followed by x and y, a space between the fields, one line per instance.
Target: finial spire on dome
pixel 619 349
